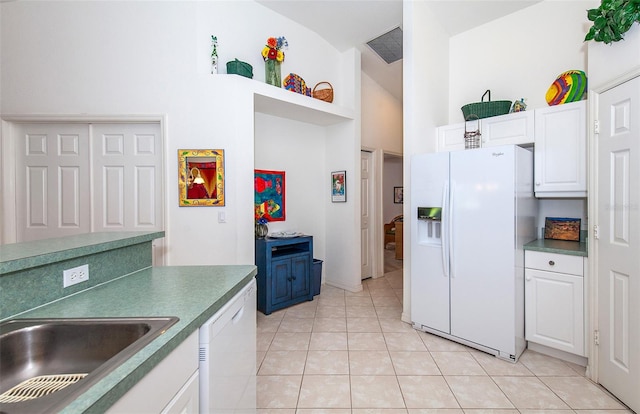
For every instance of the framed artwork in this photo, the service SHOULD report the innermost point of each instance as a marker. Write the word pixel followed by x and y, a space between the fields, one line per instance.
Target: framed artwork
pixel 339 186
pixel 562 228
pixel 201 177
pixel 269 195
pixel 398 193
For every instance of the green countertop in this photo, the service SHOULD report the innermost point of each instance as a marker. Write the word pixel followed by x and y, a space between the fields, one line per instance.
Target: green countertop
pixel 571 248
pixel 21 256
pixel 192 293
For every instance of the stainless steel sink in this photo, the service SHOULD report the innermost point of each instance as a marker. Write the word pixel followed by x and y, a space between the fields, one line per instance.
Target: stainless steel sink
pixel 34 352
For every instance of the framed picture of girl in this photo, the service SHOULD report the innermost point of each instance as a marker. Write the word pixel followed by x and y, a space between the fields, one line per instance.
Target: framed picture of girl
pixel 339 186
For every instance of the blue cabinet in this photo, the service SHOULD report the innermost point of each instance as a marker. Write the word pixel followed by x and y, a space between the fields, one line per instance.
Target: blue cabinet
pixel 284 272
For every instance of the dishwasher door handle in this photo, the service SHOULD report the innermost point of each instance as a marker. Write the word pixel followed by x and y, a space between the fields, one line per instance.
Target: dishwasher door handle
pixel 236 318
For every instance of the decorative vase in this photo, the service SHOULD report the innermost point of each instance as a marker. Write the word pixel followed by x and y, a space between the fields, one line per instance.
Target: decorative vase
pixel 261 230
pixel 214 55
pixel 272 74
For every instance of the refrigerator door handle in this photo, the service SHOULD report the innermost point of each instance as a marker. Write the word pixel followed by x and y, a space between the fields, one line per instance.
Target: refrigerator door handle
pixel 452 188
pixel 445 236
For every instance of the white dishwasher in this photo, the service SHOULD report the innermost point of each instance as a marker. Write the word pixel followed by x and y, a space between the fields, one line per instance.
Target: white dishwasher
pixel 228 356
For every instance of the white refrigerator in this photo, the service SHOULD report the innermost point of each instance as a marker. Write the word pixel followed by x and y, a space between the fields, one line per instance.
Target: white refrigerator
pixel 473 211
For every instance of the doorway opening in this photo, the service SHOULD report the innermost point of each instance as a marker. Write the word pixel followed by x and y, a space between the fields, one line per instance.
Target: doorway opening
pixel 392 204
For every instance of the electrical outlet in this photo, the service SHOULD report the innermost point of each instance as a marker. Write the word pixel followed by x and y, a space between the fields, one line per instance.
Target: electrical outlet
pixel 76 275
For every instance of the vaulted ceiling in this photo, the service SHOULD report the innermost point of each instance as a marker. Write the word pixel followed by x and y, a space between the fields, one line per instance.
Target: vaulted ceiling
pixel 352 23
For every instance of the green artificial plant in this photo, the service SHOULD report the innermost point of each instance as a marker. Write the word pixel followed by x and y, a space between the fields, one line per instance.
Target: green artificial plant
pixel 612 20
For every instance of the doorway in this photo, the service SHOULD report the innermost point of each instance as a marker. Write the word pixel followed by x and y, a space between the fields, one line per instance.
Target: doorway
pixel 392 204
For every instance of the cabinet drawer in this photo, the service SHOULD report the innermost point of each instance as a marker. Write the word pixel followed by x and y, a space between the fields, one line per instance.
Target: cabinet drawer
pixel 554 262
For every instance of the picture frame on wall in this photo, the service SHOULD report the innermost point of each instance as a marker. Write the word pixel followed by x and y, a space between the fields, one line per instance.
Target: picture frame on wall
pixel 269 195
pixel 201 177
pixel 338 186
pixel 398 195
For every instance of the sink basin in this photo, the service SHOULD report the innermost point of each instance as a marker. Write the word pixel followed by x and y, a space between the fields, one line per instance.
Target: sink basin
pixel 65 357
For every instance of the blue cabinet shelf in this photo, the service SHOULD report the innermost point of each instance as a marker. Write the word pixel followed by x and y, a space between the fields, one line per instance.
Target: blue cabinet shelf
pixel 284 272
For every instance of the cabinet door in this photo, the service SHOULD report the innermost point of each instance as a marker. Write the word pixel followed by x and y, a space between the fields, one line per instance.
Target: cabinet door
pixel 560 151
pixel 187 399
pixel 280 281
pixel 554 310
pixel 300 276
pixel 516 129
pixel 451 137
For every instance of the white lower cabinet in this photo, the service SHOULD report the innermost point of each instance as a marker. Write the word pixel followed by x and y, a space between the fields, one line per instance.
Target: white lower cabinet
pixel 554 301
pixel 171 387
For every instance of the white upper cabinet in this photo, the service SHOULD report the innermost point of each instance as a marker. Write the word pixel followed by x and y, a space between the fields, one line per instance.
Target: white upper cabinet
pixel 515 128
pixel 451 137
pixel 561 151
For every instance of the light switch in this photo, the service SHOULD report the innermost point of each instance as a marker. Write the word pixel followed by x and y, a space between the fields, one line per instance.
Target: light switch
pixel 222 218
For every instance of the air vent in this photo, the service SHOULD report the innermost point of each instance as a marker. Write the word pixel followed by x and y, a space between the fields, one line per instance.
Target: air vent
pixel 388 46
pixel 37 387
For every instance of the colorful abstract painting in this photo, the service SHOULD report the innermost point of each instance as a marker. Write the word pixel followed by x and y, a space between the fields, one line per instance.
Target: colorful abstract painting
pixel 269 195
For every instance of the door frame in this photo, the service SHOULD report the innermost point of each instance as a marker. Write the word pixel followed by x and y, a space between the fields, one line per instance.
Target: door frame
pixel 591 294
pixel 8 232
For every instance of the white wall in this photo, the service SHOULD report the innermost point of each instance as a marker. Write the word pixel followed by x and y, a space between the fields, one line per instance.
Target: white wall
pixel 519 55
pixel 574 208
pixel 381 118
pixel 298 149
pixel 623 53
pixel 141 58
pixel 425 91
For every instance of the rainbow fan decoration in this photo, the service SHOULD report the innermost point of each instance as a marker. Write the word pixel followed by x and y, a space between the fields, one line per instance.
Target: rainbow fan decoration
pixel 570 86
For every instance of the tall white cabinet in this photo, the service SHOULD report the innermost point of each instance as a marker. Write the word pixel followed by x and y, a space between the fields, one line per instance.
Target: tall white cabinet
pixel 561 150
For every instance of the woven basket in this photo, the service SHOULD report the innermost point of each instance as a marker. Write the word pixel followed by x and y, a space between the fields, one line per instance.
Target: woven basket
pixel 323 94
pixel 236 67
pixel 485 109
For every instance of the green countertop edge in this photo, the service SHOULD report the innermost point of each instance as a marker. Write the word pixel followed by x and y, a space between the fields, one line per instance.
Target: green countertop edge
pixel 203 306
pixel 21 256
pixel 570 248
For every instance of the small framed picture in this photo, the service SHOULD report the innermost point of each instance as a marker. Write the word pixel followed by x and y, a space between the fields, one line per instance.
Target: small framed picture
pixel 339 186
pixel 398 195
pixel 562 228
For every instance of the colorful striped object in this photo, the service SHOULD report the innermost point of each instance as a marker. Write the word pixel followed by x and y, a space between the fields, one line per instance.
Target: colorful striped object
pixel 295 83
pixel 570 86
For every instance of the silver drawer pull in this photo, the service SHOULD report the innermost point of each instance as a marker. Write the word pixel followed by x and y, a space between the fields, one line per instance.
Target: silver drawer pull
pixel 551 263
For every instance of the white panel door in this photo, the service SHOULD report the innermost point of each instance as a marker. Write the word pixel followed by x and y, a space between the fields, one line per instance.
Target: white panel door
pixel 127 163
pixel 74 178
pixel 618 158
pixel 366 235
pixel 52 180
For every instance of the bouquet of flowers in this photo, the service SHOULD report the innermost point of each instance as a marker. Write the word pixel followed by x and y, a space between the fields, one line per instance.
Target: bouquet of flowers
pixel 273 50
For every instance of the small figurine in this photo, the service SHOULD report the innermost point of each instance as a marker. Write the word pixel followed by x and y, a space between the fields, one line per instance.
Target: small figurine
pixel 519 106
pixel 214 55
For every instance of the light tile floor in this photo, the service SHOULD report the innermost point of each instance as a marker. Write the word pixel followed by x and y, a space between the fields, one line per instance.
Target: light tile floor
pixel 349 353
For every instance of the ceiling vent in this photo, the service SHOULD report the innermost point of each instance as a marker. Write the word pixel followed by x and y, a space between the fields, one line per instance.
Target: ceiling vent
pixel 388 46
